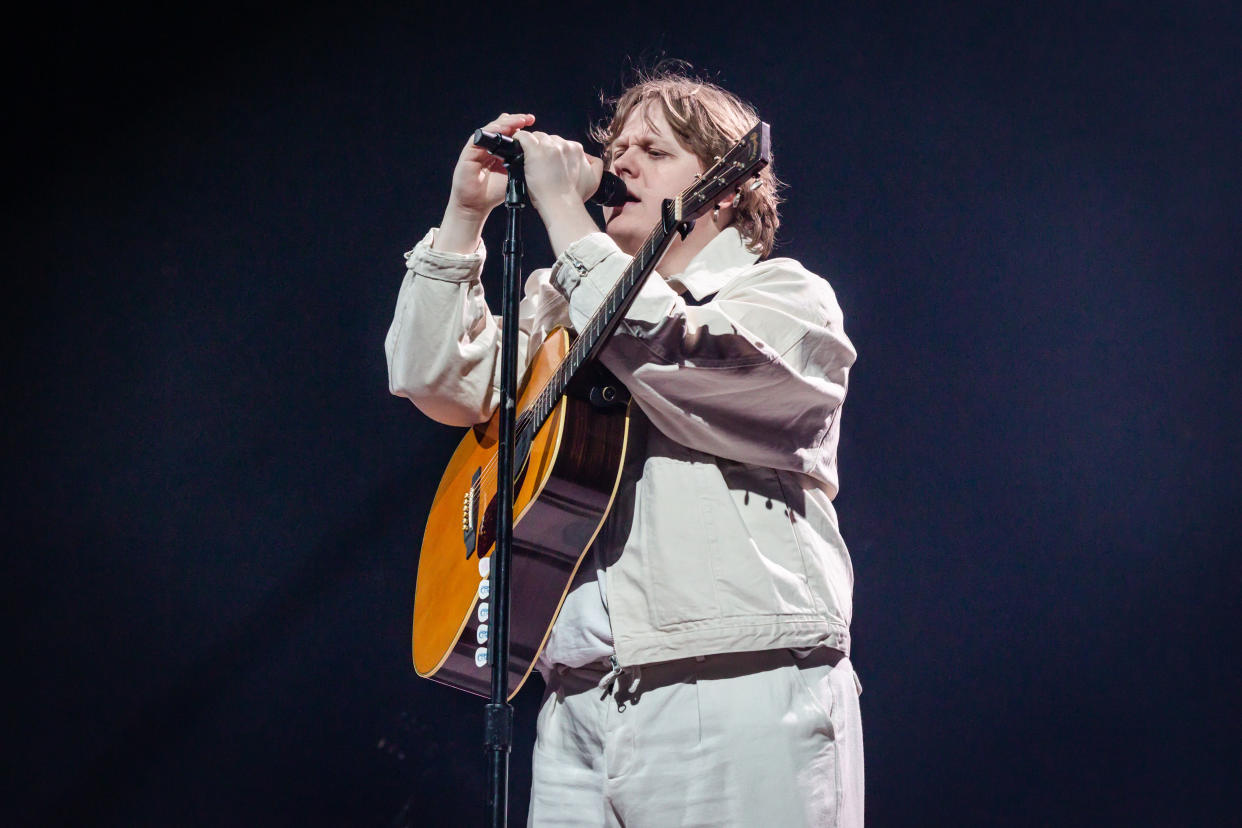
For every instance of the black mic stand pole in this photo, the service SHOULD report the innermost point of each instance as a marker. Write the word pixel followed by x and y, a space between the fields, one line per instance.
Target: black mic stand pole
pixel 498 726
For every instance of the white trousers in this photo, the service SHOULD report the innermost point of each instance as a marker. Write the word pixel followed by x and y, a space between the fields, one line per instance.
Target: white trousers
pixel 764 739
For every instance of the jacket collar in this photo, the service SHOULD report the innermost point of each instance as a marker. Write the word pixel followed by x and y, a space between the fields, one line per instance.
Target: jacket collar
pixel 715 265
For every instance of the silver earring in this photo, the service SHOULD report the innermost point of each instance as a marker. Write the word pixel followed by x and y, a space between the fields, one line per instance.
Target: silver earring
pixel 716 213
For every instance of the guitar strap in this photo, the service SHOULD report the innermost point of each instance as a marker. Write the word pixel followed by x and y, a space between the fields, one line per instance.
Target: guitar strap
pixel 690 300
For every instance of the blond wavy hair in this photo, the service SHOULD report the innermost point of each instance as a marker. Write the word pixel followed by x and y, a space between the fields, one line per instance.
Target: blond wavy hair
pixel 707 120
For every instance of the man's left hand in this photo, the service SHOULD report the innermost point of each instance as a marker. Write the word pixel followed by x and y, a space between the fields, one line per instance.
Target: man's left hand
pixel 560 177
pixel 557 168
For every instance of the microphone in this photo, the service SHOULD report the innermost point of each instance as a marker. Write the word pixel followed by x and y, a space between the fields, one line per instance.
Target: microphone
pixel 499 145
pixel 610 193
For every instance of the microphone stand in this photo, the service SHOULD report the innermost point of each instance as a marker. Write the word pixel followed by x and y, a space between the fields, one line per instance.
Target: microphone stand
pixel 498 719
pixel 498 724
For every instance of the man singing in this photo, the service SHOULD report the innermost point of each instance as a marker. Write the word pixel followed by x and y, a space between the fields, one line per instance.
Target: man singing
pixel 698 671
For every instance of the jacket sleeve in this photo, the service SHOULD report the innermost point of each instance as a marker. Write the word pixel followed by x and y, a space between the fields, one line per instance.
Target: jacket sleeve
pixel 756 375
pixel 443 347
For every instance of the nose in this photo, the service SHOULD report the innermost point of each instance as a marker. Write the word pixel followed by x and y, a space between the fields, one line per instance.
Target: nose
pixel 624 164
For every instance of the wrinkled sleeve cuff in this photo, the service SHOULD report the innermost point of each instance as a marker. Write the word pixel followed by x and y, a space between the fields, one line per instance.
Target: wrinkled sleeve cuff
pixel 590 250
pixel 575 275
pixel 444 266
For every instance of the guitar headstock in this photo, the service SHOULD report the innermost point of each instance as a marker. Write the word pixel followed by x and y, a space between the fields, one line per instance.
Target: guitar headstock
pixel 744 161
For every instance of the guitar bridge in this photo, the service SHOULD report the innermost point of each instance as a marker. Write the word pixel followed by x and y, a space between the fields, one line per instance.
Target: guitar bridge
pixel 469 515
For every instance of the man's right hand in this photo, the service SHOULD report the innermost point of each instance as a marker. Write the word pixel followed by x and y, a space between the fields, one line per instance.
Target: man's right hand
pixel 479 181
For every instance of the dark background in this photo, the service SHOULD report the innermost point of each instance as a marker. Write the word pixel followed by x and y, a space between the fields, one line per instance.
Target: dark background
pixel 212 504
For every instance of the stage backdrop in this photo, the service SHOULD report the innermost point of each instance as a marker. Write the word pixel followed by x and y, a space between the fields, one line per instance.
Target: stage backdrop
pixel 212 503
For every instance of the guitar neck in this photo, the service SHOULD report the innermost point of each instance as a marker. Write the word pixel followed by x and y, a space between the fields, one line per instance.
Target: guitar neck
pixel 609 314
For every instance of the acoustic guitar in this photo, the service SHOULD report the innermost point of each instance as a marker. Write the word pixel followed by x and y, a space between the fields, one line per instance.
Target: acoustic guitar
pixel 572 424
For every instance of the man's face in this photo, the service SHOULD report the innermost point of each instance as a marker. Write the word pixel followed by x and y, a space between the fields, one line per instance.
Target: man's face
pixel 654 166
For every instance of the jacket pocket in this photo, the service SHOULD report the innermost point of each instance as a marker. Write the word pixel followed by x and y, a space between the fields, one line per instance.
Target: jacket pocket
pixel 737 556
pixel 678 528
pixel 760 565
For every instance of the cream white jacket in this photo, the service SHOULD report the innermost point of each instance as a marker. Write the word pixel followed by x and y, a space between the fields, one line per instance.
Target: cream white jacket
pixel 723 537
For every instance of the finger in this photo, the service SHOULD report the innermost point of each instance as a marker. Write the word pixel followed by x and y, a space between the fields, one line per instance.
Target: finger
pixel 534 139
pixel 508 123
pixel 505 124
pixel 526 139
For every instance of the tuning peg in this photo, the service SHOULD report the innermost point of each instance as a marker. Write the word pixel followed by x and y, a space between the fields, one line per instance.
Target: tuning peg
pixel 737 198
pixel 756 184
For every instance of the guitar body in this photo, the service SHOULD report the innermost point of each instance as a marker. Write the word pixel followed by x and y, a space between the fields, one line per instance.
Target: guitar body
pixel 561 496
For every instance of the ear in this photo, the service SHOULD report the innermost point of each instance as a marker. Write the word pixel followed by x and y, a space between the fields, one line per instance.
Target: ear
pixel 723 214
